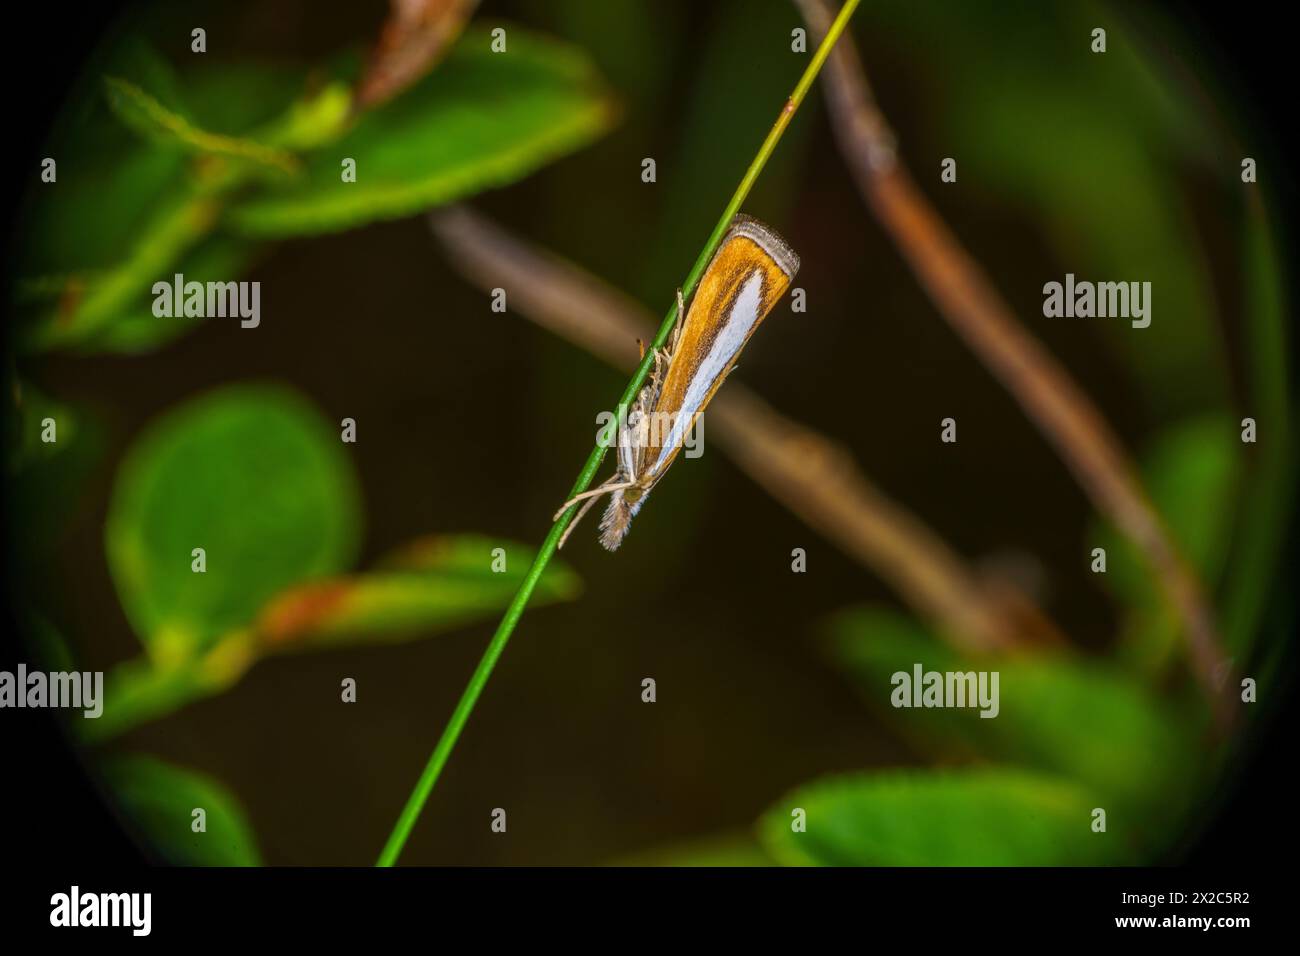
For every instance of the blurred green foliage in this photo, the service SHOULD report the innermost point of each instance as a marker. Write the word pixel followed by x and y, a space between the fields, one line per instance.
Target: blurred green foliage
pixel 165 127
pixel 437 583
pixel 1268 493
pixel 251 473
pixel 254 476
pixel 1094 724
pixel 198 172
pixel 138 330
pixel 1036 118
pixel 32 417
pixel 1193 473
pixel 44 477
pixel 160 799
pixel 209 172
pixel 988 817
pixel 480 120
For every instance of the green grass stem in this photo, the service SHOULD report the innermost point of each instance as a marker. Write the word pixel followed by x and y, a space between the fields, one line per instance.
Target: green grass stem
pixel 438 759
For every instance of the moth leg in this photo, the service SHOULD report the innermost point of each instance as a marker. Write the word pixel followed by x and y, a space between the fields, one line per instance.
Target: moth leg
pixel 662 359
pixel 649 394
pixel 582 513
pixel 613 484
pixel 681 317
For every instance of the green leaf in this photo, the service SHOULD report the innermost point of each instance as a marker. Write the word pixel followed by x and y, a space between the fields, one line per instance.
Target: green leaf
pixel 872 644
pixel 1080 720
pixel 276 106
pixel 153 211
pixel 255 477
pixel 313 121
pixel 180 220
pixel 969 818
pixel 156 122
pixel 247 98
pixel 1192 473
pixel 480 120
pixel 137 61
pixel 160 800
pixel 118 193
pixel 439 583
pixel 219 258
pixel 140 690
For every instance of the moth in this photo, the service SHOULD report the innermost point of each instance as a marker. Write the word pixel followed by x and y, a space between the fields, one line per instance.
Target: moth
pixel 746 277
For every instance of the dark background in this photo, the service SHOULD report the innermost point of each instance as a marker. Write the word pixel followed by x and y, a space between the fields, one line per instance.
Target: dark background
pixel 735 658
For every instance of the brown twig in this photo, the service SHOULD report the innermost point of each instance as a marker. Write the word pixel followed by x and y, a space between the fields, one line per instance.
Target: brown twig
pixel 806 472
pixel 414 38
pixel 970 303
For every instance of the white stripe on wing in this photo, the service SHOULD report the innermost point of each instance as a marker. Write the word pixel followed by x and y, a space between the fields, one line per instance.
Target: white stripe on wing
pixel 741 319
